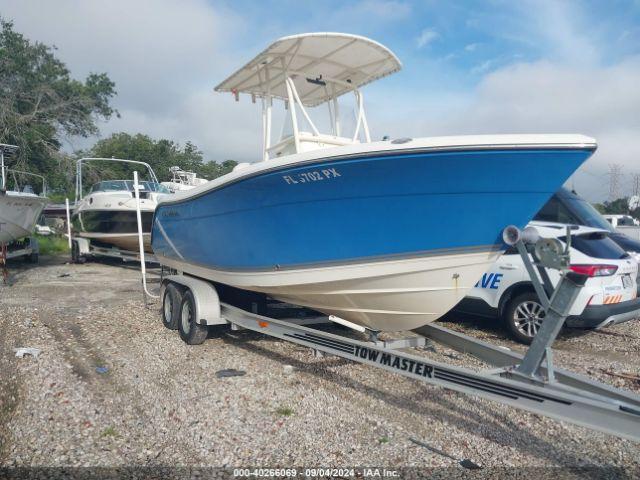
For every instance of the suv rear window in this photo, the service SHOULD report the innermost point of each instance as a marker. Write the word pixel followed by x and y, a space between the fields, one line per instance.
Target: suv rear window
pixel 597 245
pixel 555 211
pixel 570 208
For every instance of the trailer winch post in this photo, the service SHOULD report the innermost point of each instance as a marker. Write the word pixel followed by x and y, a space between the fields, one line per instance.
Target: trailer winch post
pixel 546 253
pixel 556 313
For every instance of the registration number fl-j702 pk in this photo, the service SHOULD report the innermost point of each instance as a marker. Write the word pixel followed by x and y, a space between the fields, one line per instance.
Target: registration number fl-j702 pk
pixel 312 176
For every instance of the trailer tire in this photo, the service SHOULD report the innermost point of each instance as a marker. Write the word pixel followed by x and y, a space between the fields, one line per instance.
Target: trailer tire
pixel 171 302
pixel 523 317
pixel 191 332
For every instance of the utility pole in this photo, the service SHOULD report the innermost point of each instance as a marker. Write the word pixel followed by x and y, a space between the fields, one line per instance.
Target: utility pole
pixel 636 184
pixel 615 175
pixel 634 203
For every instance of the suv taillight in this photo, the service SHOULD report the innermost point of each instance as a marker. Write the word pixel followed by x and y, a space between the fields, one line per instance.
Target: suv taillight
pixel 595 270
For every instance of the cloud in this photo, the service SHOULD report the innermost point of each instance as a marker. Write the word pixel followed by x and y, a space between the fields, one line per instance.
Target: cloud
pixel 364 12
pixel 146 46
pixel 389 10
pixel 484 66
pixel 567 31
pixel 161 54
pixel 426 37
pixel 165 57
pixel 542 97
pixel 564 29
pixel 547 95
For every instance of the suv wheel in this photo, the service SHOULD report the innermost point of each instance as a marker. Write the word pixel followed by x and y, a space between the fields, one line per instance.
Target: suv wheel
pixel 523 317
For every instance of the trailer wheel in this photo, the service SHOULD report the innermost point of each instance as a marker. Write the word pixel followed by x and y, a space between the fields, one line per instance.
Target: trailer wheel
pixel 191 332
pixel 523 317
pixel 171 301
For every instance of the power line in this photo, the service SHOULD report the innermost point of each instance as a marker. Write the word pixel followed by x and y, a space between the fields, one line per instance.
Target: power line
pixel 615 175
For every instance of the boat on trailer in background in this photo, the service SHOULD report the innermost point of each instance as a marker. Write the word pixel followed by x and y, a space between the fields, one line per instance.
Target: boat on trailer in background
pixel 183 180
pixel 389 234
pixel 104 219
pixel 20 209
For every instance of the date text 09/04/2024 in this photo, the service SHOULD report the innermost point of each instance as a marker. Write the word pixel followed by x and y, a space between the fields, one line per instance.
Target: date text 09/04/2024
pixel 319 472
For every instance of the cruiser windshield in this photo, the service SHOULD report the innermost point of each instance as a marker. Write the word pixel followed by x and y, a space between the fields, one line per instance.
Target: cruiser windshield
pixel 110 186
pixel 127 186
pixel 148 186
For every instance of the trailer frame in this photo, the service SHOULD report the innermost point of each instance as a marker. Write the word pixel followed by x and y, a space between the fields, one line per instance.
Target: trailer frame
pixel 82 248
pixel 529 382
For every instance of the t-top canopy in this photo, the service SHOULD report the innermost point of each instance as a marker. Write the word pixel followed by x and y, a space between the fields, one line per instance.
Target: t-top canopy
pixel 323 66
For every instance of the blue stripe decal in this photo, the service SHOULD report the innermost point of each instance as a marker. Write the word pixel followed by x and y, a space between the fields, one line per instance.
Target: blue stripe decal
pixel 379 206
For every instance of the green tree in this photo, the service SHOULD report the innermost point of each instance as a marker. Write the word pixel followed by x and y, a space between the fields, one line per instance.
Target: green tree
pixel 40 104
pixel 600 207
pixel 160 154
pixel 619 206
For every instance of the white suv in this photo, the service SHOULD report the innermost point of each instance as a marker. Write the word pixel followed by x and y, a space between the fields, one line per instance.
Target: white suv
pixel 610 295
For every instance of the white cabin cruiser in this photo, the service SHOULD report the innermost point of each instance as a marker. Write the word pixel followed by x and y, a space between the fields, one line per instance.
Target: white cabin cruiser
pixel 20 207
pixel 106 215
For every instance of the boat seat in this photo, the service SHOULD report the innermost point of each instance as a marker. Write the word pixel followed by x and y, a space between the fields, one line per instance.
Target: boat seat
pixel 308 142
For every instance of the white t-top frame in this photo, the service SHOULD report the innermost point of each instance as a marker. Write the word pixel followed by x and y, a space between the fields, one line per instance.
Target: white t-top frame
pixel 306 71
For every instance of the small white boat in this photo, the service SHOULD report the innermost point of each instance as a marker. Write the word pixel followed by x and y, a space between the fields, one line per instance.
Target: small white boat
pixel 20 207
pixel 106 215
pixel 183 180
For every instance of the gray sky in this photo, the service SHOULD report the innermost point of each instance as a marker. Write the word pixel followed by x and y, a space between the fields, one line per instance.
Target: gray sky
pixel 488 67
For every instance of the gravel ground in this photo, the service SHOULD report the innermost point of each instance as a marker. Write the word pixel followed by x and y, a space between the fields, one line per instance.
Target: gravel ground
pixel 160 404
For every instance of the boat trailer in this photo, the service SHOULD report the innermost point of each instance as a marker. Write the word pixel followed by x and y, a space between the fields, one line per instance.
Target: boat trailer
pixel 83 249
pixel 529 382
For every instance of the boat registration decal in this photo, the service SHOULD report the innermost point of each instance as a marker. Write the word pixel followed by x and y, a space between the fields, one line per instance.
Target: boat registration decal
pixel 312 176
pixel 170 213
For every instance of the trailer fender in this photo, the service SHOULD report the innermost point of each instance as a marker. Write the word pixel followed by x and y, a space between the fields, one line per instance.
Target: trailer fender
pixel 206 298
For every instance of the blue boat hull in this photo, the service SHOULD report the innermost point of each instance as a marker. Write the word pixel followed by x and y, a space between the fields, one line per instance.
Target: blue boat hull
pixel 387 241
pixel 364 208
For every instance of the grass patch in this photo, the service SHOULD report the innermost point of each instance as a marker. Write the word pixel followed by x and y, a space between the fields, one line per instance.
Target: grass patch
pixel 285 411
pixel 52 244
pixel 109 432
pixel 383 440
